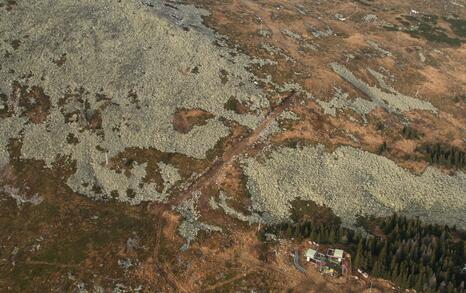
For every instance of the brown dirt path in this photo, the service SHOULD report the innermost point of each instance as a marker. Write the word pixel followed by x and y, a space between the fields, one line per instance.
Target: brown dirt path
pixel 162 268
pixel 219 166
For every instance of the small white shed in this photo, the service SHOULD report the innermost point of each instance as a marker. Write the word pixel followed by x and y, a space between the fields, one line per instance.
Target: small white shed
pixel 310 254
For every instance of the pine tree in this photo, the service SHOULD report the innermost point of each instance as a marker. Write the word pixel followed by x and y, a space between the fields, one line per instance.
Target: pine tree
pixel 382 259
pixel 377 270
pixel 313 235
pixel 368 261
pixel 306 231
pixel 359 259
pixel 297 232
pixel 289 231
pixel 411 280
pixel 319 235
pixel 394 273
pixel 419 285
pixel 433 282
pixel 332 236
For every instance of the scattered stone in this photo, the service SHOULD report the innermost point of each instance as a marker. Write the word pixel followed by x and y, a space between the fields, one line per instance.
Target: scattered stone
pixel 271 129
pixel 81 288
pixel 213 203
pixel 253 218
pixel 291 34
pixel 20 198
pixel 422 57
pixel 191 225
pixel 370 18
pixel 301 9
pixel 170 175
pixel 389 26
pixel 341 101
pixel 14 253
pixel 319 33
pixel 126 263
pixel 289 115
pixel 276 51
pixel 349 57
pixel 270 237
pixel 264 33
pixel 98 289
pixel 133 243
pixel 340 17
pixel 353 138
pixel 73 118
pixel 378 48
pixel 306 46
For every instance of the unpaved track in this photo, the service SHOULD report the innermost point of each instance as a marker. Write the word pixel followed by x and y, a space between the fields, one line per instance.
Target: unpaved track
pixel 162 268
pixel 217 169
pixel 212 175
pixel 229 281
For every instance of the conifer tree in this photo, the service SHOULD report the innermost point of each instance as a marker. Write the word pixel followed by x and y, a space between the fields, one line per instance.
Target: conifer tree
pixel 359 259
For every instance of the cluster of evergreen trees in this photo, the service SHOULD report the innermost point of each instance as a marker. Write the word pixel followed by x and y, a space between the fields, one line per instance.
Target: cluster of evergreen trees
pixel 428 258
pixel 444 155
pixel 382 148
pixel 410 133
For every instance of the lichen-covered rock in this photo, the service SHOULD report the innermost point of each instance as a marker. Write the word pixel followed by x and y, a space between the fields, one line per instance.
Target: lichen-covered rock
pixel 253 218
pixel 388 98
pixel 341 101
pixel 115 72
pixel 352 182
pixel 191 225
